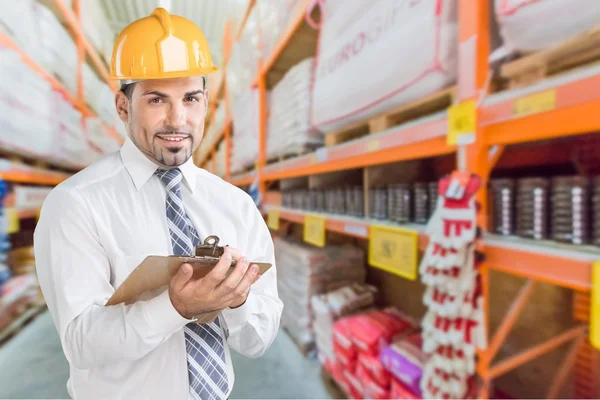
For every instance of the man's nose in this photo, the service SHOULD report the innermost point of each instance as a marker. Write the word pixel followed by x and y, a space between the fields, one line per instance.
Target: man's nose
pixel 176 116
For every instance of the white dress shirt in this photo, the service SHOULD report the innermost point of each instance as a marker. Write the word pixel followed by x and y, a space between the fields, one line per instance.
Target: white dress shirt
pixel 94 229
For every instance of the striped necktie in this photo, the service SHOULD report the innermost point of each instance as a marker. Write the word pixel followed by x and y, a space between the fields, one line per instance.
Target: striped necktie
pixel 204 343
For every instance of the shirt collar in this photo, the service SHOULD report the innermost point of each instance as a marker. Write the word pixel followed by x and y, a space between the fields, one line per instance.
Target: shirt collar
pixel 141 168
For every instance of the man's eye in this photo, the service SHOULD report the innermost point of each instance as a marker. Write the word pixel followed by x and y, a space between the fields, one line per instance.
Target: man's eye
pixel 191 99
pixel 156 100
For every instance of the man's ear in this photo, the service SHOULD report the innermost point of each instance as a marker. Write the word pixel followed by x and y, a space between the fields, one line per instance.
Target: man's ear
pixel 122 105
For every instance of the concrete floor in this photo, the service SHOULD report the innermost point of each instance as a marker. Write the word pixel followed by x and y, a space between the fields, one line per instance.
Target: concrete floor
pixel 33 367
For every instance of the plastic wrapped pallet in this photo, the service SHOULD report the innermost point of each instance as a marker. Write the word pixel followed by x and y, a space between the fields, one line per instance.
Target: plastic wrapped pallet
pixel 289 130
pixel 245 131
pixel 29 196
pixel 242 66
pixel 220 160
pixel 330 306
pixel 274 18
pixel 374 56
pixel 304 271
pixel 521 30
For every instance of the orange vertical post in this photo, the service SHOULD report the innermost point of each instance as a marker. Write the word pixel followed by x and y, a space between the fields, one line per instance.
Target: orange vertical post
pixel 473 72
pixel 262 132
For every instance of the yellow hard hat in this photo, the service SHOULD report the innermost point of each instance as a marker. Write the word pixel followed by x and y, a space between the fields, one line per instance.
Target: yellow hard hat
pixel 160 46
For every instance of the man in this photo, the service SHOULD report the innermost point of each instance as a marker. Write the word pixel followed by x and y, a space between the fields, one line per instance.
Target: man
pixel 150 199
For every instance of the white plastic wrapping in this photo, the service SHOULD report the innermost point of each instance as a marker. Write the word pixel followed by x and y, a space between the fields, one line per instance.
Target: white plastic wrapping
pixel 378 55
pixel 245 131
pixel 530 25
pixel 304 271
pixel 274 18
pixel 289 130
pixel 220 160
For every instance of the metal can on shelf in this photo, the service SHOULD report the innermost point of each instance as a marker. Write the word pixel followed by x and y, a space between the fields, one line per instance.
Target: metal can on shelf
pixel 321 205
pixel 378 199
pixel 399 202
pixel 570 208
pixel 312 200
pixel 421 203
pixel 532 208
pixel 503 200
pixel 433 197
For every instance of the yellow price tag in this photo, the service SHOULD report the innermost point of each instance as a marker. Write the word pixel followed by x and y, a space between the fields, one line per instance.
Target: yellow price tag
pixel 535 103
pixel 461 121
pixel 595 306
pixel 273 219
pixel 395 250
pixel 13 221
pixel 314 230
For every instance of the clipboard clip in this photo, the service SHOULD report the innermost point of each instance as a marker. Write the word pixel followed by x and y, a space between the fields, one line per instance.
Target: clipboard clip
pixel 210 248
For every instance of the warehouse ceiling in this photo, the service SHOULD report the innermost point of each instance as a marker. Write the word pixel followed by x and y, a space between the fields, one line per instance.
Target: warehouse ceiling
pixel 209 15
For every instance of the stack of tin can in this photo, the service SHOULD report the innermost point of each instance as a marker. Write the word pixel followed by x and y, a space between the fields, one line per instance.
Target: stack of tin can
pixel 433 197
pixel 399 200
pixel 596 213
pixel 421 202
pixel 570 209
pixel 532 208
pixel 503 198
pixel 378 203
pixel 354 201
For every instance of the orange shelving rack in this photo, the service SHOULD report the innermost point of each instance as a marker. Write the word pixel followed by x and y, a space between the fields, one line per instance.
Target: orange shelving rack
pixel 498 126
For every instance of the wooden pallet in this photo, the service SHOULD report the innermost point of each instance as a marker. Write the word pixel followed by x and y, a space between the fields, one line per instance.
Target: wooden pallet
pixel 334 390
pixel 21 321
pixel 306 350
pixel 435 102
pixel 581 50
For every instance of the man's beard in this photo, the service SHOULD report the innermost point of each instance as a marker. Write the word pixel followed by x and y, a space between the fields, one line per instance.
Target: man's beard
pixel 168 157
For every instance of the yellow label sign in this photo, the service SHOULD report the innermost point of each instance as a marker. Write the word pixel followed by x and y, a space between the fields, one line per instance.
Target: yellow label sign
pixel 595 306
pixel 314 230
pixel 395 250
pixel 535 103
pixel 13 222
pixel 461 121
pixel 273 219
pixel 373 145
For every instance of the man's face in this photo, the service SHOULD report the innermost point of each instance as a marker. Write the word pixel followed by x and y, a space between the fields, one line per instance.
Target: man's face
pixel 165 118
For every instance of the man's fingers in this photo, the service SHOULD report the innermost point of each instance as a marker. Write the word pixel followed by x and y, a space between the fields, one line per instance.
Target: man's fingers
pixel 242 288
pixel 235 253
pixel 216 275
pixel 182 277
pixel 231 282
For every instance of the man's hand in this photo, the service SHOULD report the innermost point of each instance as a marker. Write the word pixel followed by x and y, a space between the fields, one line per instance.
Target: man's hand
pixel 215 291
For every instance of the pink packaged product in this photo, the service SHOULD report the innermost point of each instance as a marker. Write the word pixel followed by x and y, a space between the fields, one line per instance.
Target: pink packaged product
pixel 373 330
pixel 356 387
pixel 405 360
pixel 374 367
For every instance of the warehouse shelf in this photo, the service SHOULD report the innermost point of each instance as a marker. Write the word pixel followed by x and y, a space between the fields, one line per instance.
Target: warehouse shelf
pixel 204 157
pixel 249 8
pixel 422 138
pixel 28 212
pixel 67 15
pixel 243 179
pixel 563 265
pixel 350 226
pixel 560 106
pixel 16 172
pixel 6 41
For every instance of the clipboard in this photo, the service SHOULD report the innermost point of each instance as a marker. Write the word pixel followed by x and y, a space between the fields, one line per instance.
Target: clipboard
pixel 153 275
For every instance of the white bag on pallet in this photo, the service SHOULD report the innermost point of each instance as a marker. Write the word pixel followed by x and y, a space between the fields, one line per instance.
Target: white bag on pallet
pixel 245 128
pixel 520 27
pixel 378 55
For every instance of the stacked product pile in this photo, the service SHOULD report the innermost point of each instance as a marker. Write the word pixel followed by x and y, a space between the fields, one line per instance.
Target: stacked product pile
pixel 289 130
pixel 359 344
pixel 363 67
pixel 245 127
pixel 304 271
pixel 274 17
pixel 331 306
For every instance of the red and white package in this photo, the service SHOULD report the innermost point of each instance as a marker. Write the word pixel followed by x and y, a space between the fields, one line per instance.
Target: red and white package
pixel 519 25
pixel 373 366
pixel 373 390
pixel 356 388
pixel 360 37
pixel 399 391
pixel 375 329
pixel 344 357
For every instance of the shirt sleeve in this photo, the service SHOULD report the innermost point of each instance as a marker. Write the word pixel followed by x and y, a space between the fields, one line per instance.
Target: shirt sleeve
pixel 254 325
pixel 74 275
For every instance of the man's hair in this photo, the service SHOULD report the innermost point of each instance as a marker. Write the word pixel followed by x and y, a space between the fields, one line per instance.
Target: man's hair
pixel 128 88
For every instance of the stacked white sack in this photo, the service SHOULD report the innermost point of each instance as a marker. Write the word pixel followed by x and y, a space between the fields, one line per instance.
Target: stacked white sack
pixel 245 131
pixel 242 66
pixel 304 271
pixel 289 130
pixel 220 160
pixel 274 18
pixel 374 56
pixel 521 30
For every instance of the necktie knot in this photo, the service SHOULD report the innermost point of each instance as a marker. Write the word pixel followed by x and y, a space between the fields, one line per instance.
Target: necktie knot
pixel 171 178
